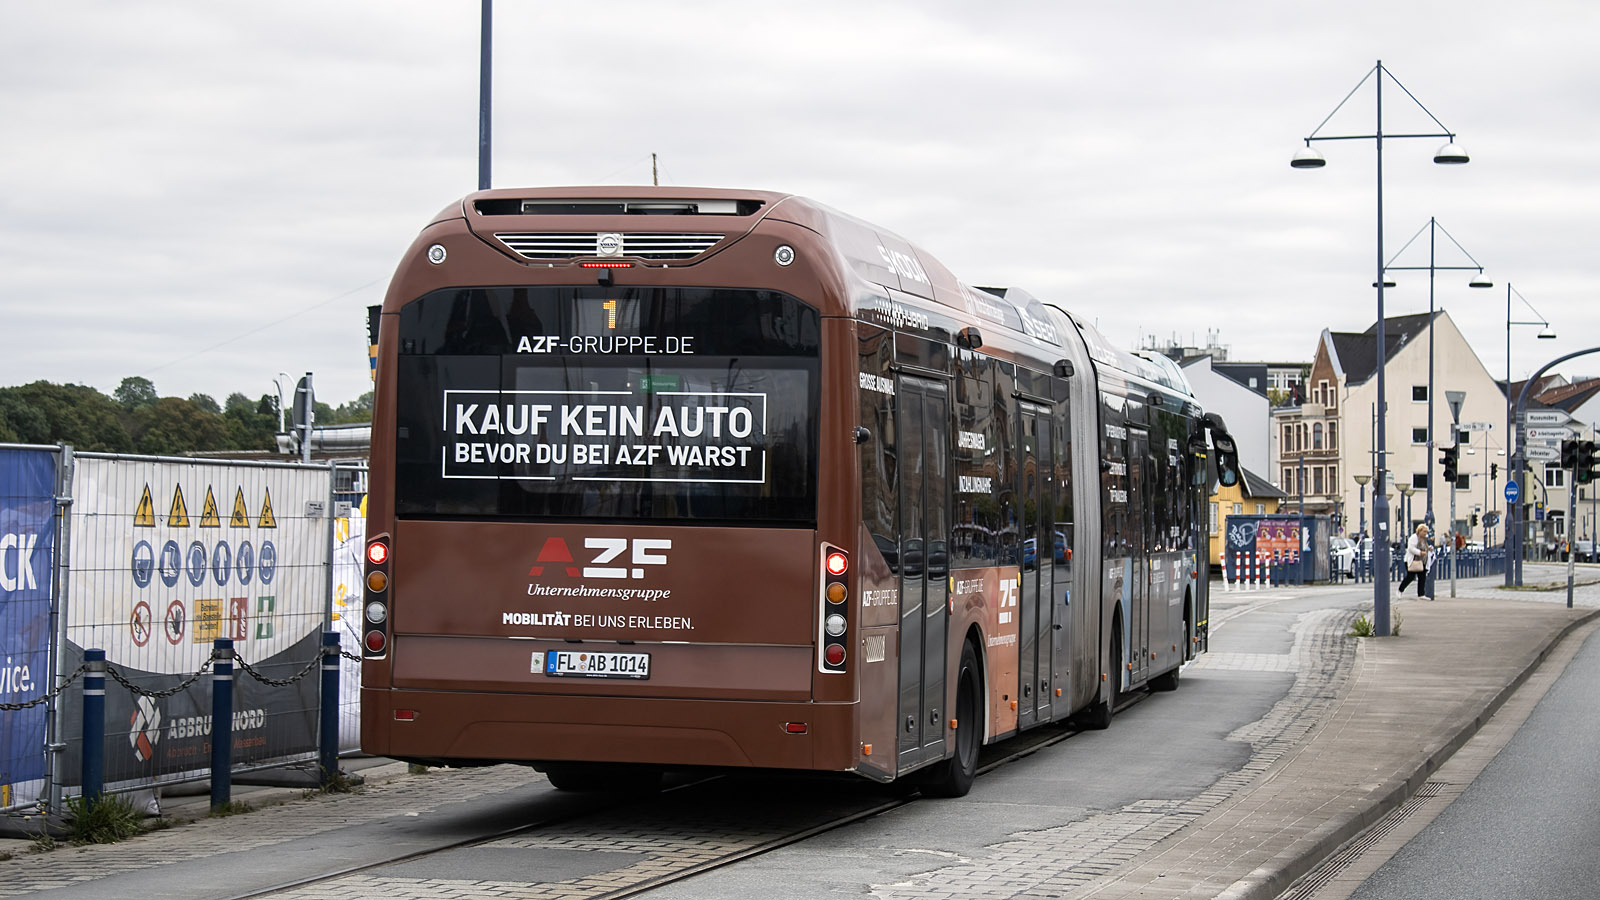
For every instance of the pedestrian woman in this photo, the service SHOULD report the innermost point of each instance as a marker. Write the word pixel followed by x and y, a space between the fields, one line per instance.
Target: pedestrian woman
pixel 1417 562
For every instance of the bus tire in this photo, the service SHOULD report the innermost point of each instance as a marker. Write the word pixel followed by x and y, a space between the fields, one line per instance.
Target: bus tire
pixel 597 777
pixel 1098 716
pixel 953 777
pixel 1166 681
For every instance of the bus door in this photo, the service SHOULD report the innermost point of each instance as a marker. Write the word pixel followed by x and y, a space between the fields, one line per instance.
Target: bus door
pixel 922 427
pixel 1139 495
pixel 1035 643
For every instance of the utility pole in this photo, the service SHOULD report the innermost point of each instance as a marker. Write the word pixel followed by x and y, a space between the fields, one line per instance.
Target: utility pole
pixel 485 70
pixel 1455 399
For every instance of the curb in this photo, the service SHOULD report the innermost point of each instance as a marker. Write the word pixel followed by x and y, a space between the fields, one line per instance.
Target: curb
pixel 1279 875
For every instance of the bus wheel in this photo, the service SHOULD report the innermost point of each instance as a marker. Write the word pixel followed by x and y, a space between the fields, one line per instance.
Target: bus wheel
pixel 594 777
pixel 953 777
pixel 1098 716
pixel 1166 681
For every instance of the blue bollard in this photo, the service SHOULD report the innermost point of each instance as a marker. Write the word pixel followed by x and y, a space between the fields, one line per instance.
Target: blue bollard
pixel 94 724
pixel 328 738
pixel 222 724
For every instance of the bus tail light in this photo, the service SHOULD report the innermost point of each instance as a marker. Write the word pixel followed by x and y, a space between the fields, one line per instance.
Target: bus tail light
pixel 834 617
pixel 375 624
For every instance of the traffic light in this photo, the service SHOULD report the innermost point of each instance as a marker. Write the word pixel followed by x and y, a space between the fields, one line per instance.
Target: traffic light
pixel 1448 460
pixel 1583 471
pixel 1474 520
pixel 1494 471
pixel 1569 454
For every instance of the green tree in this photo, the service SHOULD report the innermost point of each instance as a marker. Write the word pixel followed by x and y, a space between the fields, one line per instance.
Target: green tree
pixel 135 392
pixel 357 410
pixel 45 413
pixel 205 402
pixel 172 425
pixel 251 426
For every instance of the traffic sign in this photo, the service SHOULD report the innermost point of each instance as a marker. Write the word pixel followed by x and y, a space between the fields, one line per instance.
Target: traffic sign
pixel 1542 452
pixel 1477 426
pixel 1546 417
pixel 1512 491
pixel 1549 434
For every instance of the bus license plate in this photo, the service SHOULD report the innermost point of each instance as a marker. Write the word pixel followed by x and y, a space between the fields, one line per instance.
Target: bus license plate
pixel 587 664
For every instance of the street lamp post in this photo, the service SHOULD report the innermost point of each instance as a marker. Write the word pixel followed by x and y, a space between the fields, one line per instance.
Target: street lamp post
pixel 1477 281
pixel 1514 523
pixel 1361 535
pixel 1308 158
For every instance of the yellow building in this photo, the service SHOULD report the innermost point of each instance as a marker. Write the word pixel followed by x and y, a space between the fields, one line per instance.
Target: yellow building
pixel 1252 496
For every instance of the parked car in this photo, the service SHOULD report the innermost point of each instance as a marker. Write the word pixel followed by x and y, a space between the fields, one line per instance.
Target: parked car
pixel 1343 553
pixel 1585 549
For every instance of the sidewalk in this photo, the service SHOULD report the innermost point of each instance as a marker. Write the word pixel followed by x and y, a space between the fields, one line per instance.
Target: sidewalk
pixel 1414 700
pixel 1410 701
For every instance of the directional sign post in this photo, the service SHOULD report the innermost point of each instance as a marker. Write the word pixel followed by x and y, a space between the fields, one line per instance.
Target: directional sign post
pixel 1542 452
pixel 1546 417
pixel 1549 434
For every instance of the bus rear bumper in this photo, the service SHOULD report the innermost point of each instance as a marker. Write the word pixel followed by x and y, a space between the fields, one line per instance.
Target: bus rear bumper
pixel 480 728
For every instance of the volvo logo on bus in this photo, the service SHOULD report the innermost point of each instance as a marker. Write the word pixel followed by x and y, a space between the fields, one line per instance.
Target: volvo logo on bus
pixel 608 244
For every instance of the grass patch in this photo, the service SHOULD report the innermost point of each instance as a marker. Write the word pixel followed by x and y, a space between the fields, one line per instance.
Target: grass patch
pixel 101 820
pixel 1363 627
pixel 231 808
pixel 340 782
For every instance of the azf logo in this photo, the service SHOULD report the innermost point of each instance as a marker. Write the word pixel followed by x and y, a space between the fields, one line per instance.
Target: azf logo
pixel 607 557
pixel 145 730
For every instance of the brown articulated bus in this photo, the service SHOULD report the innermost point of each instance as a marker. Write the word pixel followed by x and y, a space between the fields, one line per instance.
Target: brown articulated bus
pixel 672 477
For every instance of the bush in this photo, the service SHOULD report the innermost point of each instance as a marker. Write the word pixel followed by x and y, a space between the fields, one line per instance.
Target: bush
pixel 102 820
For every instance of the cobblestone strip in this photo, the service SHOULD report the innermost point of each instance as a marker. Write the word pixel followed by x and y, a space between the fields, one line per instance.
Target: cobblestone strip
pixel 1055 862
pixel 264 827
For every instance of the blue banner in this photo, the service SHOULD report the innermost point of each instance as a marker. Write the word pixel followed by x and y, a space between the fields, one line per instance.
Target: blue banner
pixel 27 555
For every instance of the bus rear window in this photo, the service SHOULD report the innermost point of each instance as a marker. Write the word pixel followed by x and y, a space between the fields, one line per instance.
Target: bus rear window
pixel 657 404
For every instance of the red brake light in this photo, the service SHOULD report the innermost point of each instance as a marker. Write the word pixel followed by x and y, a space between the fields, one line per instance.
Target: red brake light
pixel 377 553
pixel 606 265
pixel 834 655
pixel 837 563
pixel 375 642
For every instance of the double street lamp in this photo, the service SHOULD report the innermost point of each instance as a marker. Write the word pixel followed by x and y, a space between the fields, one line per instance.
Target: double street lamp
pixel 1514 526
pixel 1309 158
pixel 1477 281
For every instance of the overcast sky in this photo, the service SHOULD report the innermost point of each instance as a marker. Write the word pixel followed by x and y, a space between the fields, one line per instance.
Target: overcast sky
pixel 209 194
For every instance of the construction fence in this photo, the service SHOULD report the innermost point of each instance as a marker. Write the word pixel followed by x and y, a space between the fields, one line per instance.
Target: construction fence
pixel 151 560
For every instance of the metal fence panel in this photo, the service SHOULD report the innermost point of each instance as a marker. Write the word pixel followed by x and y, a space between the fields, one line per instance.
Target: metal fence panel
pixel 167 556
pixel 349 567
pixel 27 563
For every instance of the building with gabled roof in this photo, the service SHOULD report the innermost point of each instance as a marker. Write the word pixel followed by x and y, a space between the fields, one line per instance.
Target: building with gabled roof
pixel 1329 438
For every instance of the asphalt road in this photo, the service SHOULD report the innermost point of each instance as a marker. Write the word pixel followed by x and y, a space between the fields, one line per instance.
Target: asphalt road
pixel 1529 825
pixel 1086 797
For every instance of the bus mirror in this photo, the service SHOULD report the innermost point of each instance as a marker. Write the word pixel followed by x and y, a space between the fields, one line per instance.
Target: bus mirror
pixel 1227 458
pixel 969 338
pixel 1064 368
